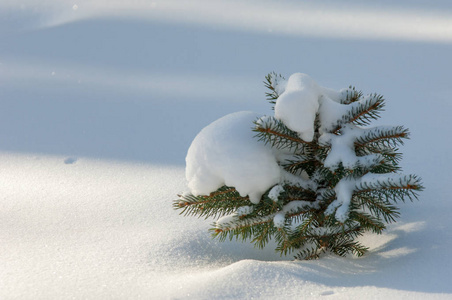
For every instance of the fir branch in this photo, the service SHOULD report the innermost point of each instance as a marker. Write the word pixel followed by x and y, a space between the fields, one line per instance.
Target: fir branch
pixel 348 246
pixel 262 234
pixel 327 195
pixel 259 230
pixel 339 242
pixel 377 207
pixel 274 132
pixel 338 232
pixel 272 82
pixel 282 238
pixel 361 112
pixel 351 95
pixel 382 137
pixel 291 209
pixel 310 253
pixel 222 202
pixel 303 234
pixel 300 163
pixel 309 220
pixel 299 193
pixel 367 222
pixel 391 188
pixel 391 158
pixel 243 223
pixel 297 181
pixel 366 110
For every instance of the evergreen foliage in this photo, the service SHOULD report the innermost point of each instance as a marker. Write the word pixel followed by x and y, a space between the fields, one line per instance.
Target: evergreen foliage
pixel 308 214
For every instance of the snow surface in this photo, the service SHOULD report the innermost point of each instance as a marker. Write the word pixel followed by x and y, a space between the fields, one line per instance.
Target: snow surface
pixel 100 104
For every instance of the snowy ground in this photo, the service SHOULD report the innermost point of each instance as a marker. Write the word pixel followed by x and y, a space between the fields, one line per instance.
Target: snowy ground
pixel 100 101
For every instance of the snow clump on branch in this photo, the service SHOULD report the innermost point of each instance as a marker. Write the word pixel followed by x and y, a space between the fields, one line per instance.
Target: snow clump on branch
pixel 225 153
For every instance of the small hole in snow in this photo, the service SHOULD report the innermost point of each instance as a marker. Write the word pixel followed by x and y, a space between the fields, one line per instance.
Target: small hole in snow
pixel 327 293
pixel 70 160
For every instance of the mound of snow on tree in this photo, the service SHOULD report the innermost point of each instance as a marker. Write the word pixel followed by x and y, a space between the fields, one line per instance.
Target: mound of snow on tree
pixel 225 153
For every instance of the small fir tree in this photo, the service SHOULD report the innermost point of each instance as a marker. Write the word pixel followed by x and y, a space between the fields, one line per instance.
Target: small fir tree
pixel 339 179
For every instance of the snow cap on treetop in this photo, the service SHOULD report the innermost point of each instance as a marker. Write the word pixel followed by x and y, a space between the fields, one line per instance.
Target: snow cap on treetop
pixel 298 104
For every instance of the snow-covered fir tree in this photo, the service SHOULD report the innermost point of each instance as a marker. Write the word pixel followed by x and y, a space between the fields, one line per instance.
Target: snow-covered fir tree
pixel 314 176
